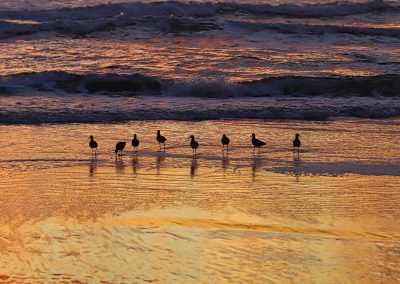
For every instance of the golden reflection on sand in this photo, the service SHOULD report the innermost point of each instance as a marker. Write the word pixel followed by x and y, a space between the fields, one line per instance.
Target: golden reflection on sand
pixel 170 217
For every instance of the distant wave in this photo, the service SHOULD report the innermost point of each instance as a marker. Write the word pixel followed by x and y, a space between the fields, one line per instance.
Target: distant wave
pixel 333 9
pixel 61 97
pixel 313 29
pixel 143 85
pixel 183 24
pixel 172 16
pixel 204 9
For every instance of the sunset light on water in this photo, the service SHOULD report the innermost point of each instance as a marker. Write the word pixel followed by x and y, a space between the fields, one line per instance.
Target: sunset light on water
pixel 182 207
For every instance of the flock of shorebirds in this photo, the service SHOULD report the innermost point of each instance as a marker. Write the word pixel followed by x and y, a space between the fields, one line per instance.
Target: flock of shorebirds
pixel 120 146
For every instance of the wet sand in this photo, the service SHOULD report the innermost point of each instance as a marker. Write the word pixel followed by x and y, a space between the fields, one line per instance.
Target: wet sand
pixel 331 216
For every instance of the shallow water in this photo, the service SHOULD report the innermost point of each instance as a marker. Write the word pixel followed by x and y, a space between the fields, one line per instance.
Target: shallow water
pixel 65 62
pixel 331 215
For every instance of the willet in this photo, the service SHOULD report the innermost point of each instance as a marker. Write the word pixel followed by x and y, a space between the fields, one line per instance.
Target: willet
pixel 119 147
pixel 93 144
pixel 161 139
pixel 296 145
pixel 193 144
pixel 225 142
pixel 256 143
pixel 135 142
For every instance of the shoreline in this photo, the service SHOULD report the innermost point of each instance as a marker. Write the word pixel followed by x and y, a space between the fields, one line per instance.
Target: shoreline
pixel 175 218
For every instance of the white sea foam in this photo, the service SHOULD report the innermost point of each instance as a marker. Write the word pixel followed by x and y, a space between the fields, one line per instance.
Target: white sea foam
pixel 62 97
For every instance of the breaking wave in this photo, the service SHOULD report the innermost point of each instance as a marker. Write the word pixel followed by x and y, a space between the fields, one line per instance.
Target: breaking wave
pixel 173 16
pixel 61 97
pixel 143 85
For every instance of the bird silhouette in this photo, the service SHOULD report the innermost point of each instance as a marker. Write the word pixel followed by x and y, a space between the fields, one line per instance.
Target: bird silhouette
pixel 135 142
pixel 161 140
pixel 193 144
pixel 296 145
pixel 93 144
pixel 256 143
pixel 225 142
pixel 119 147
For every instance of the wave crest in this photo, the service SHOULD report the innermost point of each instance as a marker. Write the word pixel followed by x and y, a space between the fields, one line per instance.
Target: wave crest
pixel 61 97
pixel 173 16
pixel 333 9
pixel 139 84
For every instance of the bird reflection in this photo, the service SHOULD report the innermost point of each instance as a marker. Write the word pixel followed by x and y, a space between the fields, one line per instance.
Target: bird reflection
pixel 135 162
pixel 225 154
pixel 92 167
pixel 224 163
pixel 119 165
pixel 193 167
pixel 160 160
pixel 296 168
pixel 257 163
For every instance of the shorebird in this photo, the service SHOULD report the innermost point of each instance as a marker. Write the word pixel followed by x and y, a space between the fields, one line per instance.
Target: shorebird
pixel 296 144
pixel 93 144
pixel 161 140
pixel 256 143
pixel 135 142
pixel 193 144
pixel 225 142
pixel 119 147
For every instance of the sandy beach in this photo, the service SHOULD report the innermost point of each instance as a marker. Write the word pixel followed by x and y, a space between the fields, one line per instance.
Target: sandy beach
pixel 331 216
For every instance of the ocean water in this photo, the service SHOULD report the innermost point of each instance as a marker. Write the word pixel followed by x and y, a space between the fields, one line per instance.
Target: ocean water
pixel 328 70
pixel 330 216
pixel 341 58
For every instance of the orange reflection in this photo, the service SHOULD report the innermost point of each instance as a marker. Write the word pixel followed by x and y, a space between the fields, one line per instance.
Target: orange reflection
pixel 171 218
